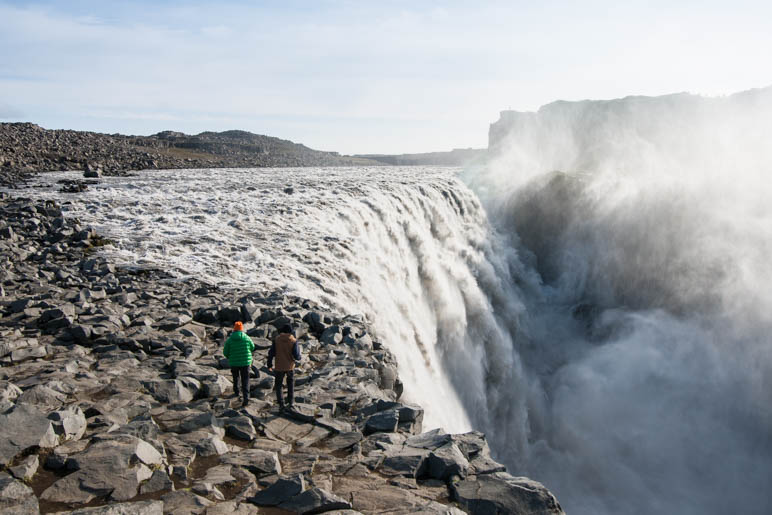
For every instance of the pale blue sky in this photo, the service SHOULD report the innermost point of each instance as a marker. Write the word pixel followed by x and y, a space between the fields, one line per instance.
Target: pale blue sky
pixel 357 76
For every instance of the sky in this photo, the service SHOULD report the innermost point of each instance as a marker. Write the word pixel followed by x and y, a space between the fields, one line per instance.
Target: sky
pixel 387 76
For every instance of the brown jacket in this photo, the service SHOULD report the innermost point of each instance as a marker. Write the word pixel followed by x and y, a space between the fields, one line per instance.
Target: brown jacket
pixel 285 347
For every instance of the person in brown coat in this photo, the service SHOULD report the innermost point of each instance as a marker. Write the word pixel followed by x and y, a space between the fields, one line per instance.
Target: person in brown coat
pixel 286 350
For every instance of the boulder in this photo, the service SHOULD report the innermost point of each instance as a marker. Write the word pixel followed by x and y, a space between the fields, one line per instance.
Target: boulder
pixel 384 421
pixel 433 439
pixel 230 314
pixel 258 461
pixel 447 461
pixel 9 391
pixel 201 421
pixel 173 322
pixel 92 171
pixel 69 423
pixel 409 465
pixel 21 428
pixel 503 493
pixel 27 468
pixel 344 440
pixel 211 445
pixel 331 335
pixel 183 501
pixel 240 428
pixel 112 468
pixel 315 500
pixel 16 498
pixel 158 482
pixel 170 391
pixel 281 491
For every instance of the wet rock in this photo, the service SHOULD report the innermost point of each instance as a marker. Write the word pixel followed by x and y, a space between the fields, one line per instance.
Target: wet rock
pixel 282 490
pixel 503 493
pixel 16 498
pixel 21 428
pixel 92 171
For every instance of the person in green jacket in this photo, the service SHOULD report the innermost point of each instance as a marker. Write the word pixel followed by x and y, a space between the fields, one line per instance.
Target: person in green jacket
pixel 238 349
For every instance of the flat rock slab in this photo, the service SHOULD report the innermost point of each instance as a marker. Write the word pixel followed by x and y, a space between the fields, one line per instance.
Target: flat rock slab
pixel 257 461
pixel 21 428
pixel 298 463
pixel 290 431
pixel 503 493
pixel 370 495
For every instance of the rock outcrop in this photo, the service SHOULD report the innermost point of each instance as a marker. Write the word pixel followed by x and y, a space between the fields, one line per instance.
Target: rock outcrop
pixel 115 398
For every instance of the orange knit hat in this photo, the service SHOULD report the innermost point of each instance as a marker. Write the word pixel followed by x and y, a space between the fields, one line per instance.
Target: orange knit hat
pixel 238 326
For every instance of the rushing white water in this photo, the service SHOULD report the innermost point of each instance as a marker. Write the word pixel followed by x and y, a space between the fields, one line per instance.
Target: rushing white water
pixel 408 248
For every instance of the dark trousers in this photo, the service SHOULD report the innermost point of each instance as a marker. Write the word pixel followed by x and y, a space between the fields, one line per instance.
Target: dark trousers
pixel 290 386
pixel 243 374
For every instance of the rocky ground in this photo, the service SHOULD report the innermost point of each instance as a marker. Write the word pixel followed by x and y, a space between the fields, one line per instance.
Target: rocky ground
pixel 115 398
pixel 27 148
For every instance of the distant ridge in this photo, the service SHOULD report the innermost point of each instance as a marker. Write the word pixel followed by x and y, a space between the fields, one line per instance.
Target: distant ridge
pixel 29 148
pixel 456 157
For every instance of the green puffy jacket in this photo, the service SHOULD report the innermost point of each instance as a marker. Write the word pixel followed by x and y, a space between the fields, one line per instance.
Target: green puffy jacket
pixel 238 349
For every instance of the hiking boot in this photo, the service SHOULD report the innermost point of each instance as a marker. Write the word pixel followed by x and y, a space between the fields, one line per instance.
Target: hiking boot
pixel 235 395
pixel 245 403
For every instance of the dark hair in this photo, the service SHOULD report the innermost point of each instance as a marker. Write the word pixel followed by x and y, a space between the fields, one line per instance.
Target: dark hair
pixel 286 328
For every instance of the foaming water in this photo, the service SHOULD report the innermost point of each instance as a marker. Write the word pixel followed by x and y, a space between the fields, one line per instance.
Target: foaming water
pixel 410 249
